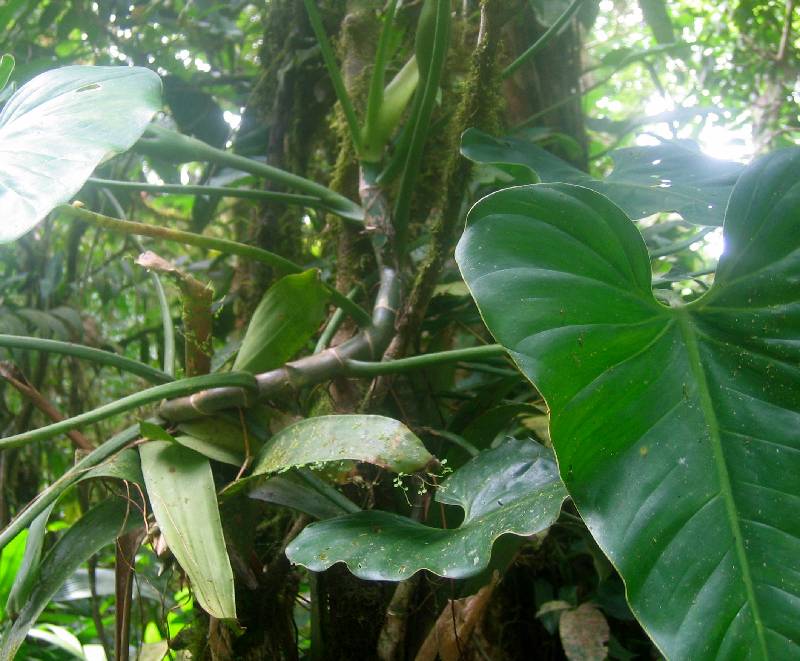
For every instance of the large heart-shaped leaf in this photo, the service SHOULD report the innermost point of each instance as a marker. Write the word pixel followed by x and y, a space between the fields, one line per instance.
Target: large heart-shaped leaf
pixel 676 429
pixel 672 176
pixel 58 127
pixel 512 489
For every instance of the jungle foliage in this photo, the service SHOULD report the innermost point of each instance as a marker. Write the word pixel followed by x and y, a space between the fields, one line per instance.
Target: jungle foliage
pixel 338 330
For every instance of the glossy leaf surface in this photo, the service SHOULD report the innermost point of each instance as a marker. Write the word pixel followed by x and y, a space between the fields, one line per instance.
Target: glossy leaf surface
pixel 58 127
pixel 371 439
pixel 512 489
pixel 96 529
pixel 285 319
pixel 672 176
pixel 676 429
pixel 184 500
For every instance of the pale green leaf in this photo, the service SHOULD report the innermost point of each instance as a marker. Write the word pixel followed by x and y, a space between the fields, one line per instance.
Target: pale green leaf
pixel 58 127
pixel 371 439
pixel 184 501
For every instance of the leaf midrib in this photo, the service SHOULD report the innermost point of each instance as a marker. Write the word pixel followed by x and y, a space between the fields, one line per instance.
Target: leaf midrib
pixel 689 334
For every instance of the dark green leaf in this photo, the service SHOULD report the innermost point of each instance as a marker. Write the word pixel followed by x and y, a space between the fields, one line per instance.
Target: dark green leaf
pixel 285 319
pixel 514 489
pixel 675 428
pixel 672 176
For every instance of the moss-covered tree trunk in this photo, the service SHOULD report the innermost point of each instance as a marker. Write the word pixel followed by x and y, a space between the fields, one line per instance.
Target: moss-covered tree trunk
pixel 354 619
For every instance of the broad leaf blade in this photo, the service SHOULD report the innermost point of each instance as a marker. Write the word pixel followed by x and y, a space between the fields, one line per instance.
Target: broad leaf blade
pixel 675 428
pixel 184 500
pixel 285 319
pixel 58 127
pixel 514 489
pixel 97 528
pixel 371 439
pixel 672 176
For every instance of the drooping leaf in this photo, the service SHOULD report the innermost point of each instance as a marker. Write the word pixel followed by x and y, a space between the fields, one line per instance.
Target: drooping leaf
pixel 285 319
pixel 676 429
pixel 94 530
pixel 673 176
pixel 371 439
pixel 184 500
pixel 58 127
pixel 512 489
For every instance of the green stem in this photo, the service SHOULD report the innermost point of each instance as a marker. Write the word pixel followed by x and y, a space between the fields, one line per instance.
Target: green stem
pixel 684 276
pixel 490 369
pixel 333 325
pixel 680 245
pixel 334 73
pixel 542 41
pixel 455 439
pixel 165 391
pixel 223 191
pixel 222 245
pixel 176 147
pixel 51 493
pixel 363 368
pixel 327 491
pixel 86 353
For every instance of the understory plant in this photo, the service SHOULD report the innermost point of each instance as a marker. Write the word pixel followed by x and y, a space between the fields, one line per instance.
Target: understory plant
pixel 660 421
